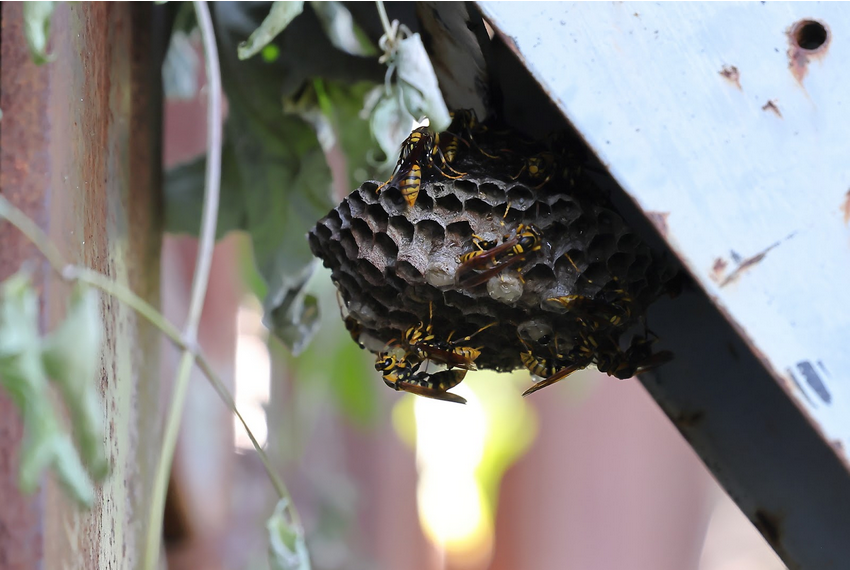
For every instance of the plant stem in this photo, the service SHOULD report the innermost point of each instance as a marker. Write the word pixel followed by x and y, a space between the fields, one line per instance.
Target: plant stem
pixel 209 216
pixel 74 273
pixel 385 21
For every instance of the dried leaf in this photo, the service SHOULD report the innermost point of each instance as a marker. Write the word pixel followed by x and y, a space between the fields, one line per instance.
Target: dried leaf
pixel 390 122
pixel 341 29
pixel 280 15
pixel 418 83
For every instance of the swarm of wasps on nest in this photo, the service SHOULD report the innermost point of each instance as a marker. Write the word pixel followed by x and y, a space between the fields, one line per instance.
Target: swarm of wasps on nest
pixel 488 250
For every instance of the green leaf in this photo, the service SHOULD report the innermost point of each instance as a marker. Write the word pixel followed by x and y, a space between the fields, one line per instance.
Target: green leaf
pixel 418 82
pixel 334 364
pixel 276 182
pixel 287 549
pixel 353 130
pixel 37 17
pixel 341 29
pixel 71 357
pixel 280 15
pixel 23 376
pixel 184 195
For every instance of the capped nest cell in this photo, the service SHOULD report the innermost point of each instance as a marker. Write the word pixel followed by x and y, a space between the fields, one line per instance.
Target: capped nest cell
pixel 505 234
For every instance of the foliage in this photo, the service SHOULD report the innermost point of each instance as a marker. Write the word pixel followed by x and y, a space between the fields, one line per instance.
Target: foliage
pixel 313 88
pixel 37 29
pixel 287 549
pixel 280 15
pixel 70 358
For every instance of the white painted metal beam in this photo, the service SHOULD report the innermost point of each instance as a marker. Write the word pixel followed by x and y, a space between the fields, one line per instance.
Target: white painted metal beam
pixel 733 141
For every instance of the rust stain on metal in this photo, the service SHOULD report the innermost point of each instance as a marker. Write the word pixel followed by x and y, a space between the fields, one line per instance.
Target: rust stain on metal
pixel 846 208
pixel 79 154
pixel 771 106
pixel 718 269
pixel 659 220
pixel 746 264
pixel 732 75
pixel 800 56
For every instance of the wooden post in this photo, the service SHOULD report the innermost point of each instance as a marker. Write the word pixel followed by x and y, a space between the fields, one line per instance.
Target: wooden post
pixel 79 153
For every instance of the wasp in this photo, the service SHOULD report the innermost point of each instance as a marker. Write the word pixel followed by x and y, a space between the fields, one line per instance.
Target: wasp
pixel 636 359
pixel 403 375
pixel 481 246
pixel 464 124
pixel 526 240
pixel 422 344
pixel 551 369
pixel 417 151
pixel 596 313
pixel 540 166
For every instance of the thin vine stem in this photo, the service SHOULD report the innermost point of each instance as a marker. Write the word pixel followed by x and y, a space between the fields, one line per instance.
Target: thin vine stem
pixel 74 273
pixel 385 21
pixel 209 216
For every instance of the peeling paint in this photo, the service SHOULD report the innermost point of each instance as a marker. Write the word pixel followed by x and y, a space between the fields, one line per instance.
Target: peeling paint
pixel 771 106
pixel 746 264
pixel 718 269
pixel 732 75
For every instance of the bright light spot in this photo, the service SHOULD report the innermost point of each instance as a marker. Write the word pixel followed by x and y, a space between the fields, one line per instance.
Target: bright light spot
pixel 253 371
pixel 450 443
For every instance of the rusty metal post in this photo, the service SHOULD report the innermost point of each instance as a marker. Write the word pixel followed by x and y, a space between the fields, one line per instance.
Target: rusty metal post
pixel 79 153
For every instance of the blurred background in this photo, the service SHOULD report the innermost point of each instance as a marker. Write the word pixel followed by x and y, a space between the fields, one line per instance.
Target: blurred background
pixel 587 474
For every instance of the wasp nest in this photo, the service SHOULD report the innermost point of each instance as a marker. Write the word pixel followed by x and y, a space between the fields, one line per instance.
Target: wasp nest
pixel 567 293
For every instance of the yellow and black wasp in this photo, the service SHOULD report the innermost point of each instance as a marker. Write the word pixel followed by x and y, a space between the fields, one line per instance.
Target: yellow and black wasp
pixel 421 343
pixel 481 266
pixel 417 152
pixel 403 375
pixel 551 368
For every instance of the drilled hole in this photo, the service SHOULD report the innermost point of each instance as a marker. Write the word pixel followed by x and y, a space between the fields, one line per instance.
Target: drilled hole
pixel 810 35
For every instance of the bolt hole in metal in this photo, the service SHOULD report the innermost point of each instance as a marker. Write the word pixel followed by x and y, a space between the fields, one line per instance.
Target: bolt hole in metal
pixel 810 34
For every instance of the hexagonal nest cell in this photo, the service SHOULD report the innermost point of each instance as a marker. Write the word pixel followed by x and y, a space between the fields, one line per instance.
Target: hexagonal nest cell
pixel 399 266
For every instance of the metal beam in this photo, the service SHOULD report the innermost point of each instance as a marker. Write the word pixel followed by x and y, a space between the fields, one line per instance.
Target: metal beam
pixel 729 136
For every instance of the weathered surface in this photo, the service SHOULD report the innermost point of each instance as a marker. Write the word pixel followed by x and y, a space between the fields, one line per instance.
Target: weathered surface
pixel 79 152
pixel 731 120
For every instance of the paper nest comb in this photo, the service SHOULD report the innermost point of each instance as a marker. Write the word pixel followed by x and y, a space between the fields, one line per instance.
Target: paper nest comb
pixel 393 262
